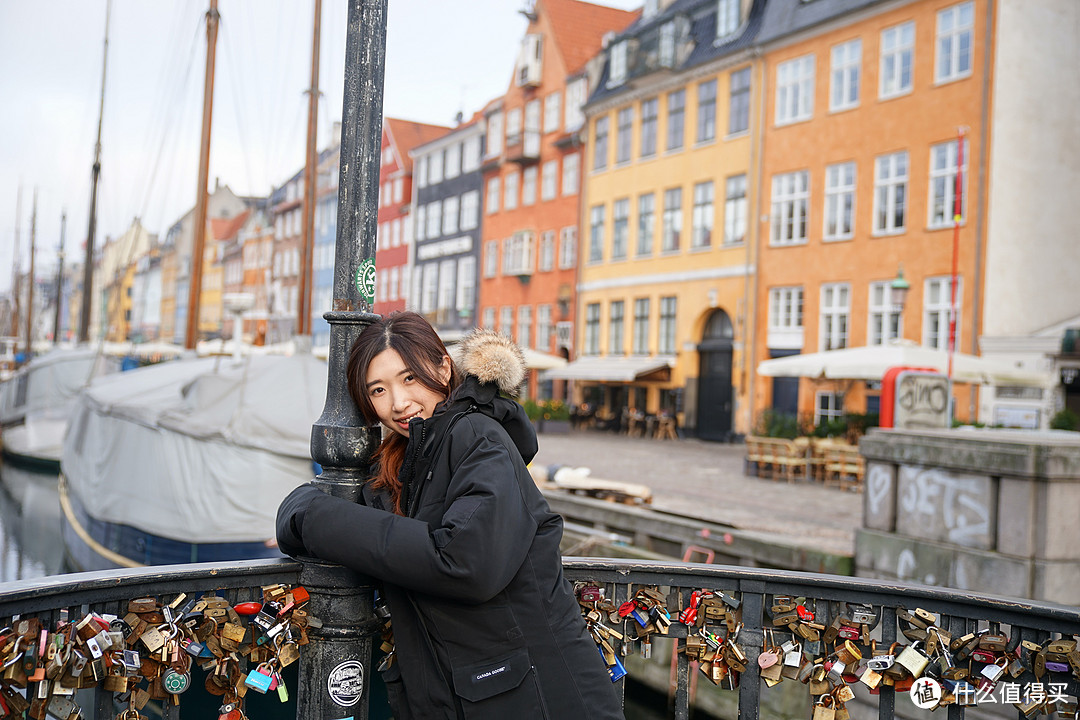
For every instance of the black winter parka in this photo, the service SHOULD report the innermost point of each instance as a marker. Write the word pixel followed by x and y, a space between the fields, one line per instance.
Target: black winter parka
pixel 485 624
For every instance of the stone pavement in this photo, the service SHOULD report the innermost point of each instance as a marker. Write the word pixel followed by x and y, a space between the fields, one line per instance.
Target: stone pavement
pixel 705 480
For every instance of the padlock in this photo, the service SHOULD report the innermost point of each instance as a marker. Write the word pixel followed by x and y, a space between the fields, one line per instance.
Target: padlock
pixel 847 632
pixel 794 656
pixel 862 616
pixel 870 678
pixel 1052 666
pixel 616 671
pixel 282 691
pixel 984 656
pixel 261 678
pixel 175 682
pixel 773 673
pixel 843 694
pixel 848 653
pixel 993 672
pixel 230 711
pixel 823 709
pixel 836 672
pixel 993 642
pixel 912 660
pixel 591 593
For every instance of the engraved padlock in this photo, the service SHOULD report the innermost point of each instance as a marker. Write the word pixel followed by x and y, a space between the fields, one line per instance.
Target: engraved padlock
pixel 993 672
pixel 912 660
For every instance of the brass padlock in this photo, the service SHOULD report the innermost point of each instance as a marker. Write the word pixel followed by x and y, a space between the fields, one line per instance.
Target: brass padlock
pixel 823 709
pixel 993 642
pixel 870 678
pixel 912 660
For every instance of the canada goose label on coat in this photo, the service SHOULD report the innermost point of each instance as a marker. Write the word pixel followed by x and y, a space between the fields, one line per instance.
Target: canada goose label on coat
pixel 481 681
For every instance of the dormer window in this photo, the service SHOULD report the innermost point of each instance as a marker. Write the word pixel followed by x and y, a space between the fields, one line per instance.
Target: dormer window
pixel 617 74
pixel 667 44
pixel 529 61
pixel 727 17
pixel 651 8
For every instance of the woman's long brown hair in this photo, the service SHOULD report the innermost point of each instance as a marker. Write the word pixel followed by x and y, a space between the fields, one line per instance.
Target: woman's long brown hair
pixel 422 352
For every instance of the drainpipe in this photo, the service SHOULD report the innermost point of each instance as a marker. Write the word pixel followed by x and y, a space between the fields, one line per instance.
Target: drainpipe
pixel 980 215
pixel 757 242
pixel 335 673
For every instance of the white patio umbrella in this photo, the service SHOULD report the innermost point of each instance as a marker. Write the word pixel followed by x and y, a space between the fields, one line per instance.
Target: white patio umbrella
pixel 871 362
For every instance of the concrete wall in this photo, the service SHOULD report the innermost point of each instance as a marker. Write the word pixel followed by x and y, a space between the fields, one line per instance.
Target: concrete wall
pixel 991 511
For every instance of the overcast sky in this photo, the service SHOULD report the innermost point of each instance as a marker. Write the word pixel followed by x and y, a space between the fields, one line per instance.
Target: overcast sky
pixel 442 56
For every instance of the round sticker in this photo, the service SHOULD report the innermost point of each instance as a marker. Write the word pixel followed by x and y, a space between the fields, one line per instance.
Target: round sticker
pixel 365 280
pixel 346 683
pixel 925 693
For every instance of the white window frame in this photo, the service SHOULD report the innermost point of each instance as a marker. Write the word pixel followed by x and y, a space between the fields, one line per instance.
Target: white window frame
pixel 518 254
pixel 620 229
pixel 735 209
pixel 840 183
pixel 434 218
pixel 885 321
pixel 552 111
pixel 936 311
pixel 667 44
pixel 600 142
pixel 493 195
pixel 430 289
pixel 549 180
pixel 451 207
pixel 494 135
pixel 568 247
pixel 833 406
pixel 646 225
pixel 727 18
pixel 955 27
pixel 491 258
pixel 835 314
pixel 616 327
pixel 596 234
pixel 666 328
pixel 897 60
pixel 546 259
pixel 528 186
pixel 421 222
pixel 470 154
pixel 640 338
pixel 524 326
pixel 470 210
pixel 624 135
pixel 576 94
pixel 650 118
pixel 790 208
pixel 571 174
pixel 942 186
pixel 617 66
pixel 506 321
pixel 845 74
pixel 543 328
pixel 466 283
pixel 795 90
pixel 671 224
pixel 435 167
pixel 675 133
pixel 452 166
pixel 703 215
pixel 421 172
pixel 447 277
pixel 511 183
pixel 785 318
pixel 891 174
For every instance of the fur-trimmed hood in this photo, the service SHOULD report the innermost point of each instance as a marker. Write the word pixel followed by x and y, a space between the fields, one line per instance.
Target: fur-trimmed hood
pixel 492 358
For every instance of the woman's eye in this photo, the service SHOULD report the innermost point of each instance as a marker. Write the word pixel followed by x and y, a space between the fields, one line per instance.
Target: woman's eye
pixel 376 391
pixel 410 378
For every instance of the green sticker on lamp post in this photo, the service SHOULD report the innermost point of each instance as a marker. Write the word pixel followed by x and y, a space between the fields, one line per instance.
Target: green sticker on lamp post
pixel 365 281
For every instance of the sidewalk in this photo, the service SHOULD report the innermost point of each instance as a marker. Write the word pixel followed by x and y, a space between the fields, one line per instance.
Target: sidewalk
pixel 705 480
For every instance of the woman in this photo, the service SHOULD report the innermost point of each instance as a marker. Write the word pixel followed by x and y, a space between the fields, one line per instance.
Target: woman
pixel 485 625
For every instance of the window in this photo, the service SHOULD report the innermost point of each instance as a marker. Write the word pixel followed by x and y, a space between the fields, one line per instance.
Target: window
pixel 669 241
pixel 795 90
pixel 434 219
pixel 839 201
pixel 835 311
pixel 417 287
pixel 489 318
pixel 936 306
pixel 828 406
pixel 453 161
pixel 513 127
pixel 532 129
pixel 785 308
pixel 395 232
pixel 543 327
pixel 492 195
pixel 447 275
pixel 470 210
pixel 450 215
pixel 596 234
pixel 466 284
pixel 528 186
pixel 649 110
pixel 421 173
pixel 617 68
pixel 727 17
pixel 548 180
pixel 844 89
pixel 620 235
pixel 495 135
pixel 884 317
pixel 399 187
pixel 955 26
pixel 942 205
pixel 576 92
pixel 897 50
pixel 735 210
pixel 518 253
pixel 890 193
pixel 567 247
pixel 552 110
pixel 739 118
pixel 790 195
pixel 524 327
pixel 506 320
pixel 435 168
pixel 600 150
pixel 702 220
pixel 592 329
pixel 676 112
pixel 706 111
pixel 666 339
pixel 616 328
pixel 623 135
pixel 646 224
pixel 430 288
pixel 510 196
pixel 571 171
pixel 641 327
pixel 470 154
pixel 667 44
pixel 547 251
pixel 491 258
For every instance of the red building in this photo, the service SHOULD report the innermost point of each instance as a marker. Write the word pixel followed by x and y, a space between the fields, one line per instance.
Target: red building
pixel 395 202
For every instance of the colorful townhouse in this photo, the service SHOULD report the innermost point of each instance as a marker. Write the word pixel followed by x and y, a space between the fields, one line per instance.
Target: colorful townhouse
pixel 446 197
pixel 286 206
pixel 532 180
pixel 230 270
pixel 666 258
pixel 396 226
pixel 257 243
pixel 322 271
pixel 871 109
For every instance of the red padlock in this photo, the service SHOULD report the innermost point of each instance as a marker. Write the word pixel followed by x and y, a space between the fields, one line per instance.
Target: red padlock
pixel 248 608
pixel 688 616
pixel 804 614
pixel 230 711
pixel 626 608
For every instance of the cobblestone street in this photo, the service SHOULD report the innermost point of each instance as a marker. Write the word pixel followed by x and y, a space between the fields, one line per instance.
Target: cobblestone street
pixel 705 480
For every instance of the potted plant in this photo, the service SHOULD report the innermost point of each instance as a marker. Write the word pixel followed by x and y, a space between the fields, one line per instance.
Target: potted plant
pixel 554 416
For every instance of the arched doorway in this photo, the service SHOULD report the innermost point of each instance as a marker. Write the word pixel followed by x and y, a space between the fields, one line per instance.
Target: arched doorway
pixel 714 378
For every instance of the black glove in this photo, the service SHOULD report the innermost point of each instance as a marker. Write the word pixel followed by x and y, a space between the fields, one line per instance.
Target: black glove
pixel 290 519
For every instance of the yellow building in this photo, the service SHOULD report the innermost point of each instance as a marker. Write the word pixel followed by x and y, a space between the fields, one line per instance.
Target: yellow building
pixel 666 250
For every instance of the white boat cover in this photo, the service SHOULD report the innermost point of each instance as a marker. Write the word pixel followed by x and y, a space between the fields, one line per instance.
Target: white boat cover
pixel 197 450
pixel 51 381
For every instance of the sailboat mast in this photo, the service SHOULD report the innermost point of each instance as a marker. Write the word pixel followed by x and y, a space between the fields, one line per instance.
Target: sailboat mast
pixel 303 326
pixel 191 336
pixel 59 279
pixel 88 263
pixel 15 268
pixel 30 279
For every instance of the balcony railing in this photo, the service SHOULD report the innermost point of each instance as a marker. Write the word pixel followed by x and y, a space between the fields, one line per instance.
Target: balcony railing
pixel 888 615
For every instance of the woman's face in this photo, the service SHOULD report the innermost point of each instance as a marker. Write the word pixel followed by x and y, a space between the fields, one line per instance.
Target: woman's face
pixel 397 394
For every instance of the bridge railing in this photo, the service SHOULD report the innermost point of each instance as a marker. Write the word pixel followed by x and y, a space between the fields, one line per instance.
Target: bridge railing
pixel 890 610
